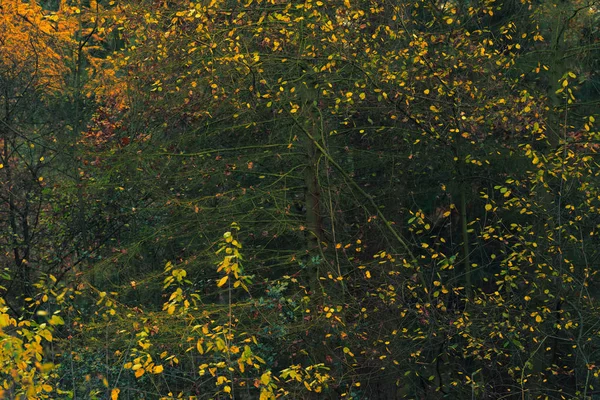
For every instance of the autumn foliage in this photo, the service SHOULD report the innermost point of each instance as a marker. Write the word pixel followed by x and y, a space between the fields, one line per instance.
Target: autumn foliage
pixel 260 199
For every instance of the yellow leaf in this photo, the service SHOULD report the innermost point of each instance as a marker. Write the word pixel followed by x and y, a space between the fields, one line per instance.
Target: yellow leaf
pixel 199 347
pixel 222 281
pixel 265 378
pixel 266 394
pixel 307 386
pixel 114 394
pixel 46 334
pixel 4 320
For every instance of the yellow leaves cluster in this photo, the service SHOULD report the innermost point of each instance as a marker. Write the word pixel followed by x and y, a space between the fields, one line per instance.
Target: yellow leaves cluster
pixel 22 358
pixel 143 364
pixel 44 46
pixel 314 378
pixel 231 263
pixel 34 42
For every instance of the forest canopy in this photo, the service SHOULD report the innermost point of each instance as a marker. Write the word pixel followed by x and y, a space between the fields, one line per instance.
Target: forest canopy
pixel 265 199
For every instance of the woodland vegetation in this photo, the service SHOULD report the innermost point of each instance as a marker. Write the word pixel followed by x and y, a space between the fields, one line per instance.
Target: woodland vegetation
pixel 318 199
